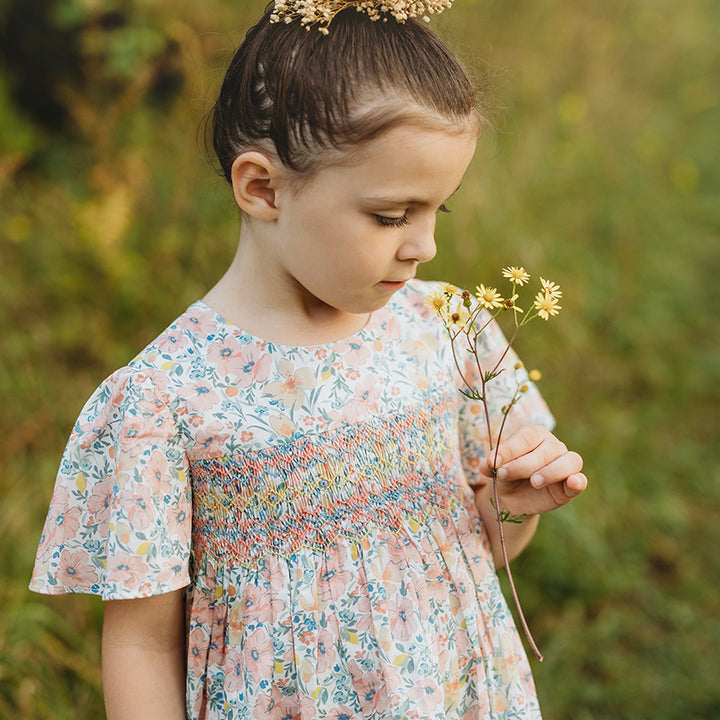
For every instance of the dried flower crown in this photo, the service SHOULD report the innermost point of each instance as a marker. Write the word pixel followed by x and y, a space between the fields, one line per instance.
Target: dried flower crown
pixel 322 12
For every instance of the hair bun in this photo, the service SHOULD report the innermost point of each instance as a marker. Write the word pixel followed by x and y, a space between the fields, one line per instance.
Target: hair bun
pixel 322 12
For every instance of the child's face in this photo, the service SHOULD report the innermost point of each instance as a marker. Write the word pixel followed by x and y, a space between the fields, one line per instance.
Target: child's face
pixel 352 235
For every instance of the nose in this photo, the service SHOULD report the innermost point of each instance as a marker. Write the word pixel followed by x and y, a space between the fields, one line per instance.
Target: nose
pixel 419 243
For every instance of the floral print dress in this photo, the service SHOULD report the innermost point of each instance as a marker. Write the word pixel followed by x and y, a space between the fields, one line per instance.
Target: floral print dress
pixel 313 501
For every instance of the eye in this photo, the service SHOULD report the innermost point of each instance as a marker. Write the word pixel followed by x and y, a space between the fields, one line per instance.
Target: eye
pixel 444 209
pixel 392 222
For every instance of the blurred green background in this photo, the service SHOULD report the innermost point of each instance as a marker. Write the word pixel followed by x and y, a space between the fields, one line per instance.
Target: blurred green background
pixel 603 174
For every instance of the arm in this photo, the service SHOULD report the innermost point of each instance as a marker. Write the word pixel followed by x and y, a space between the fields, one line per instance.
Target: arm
pixel 536 473
pixel 143 658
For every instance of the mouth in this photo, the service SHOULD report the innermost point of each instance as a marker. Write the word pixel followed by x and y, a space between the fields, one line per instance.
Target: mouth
pixel 392 285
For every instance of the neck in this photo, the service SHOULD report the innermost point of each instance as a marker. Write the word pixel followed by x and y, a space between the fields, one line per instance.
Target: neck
pixel 261 300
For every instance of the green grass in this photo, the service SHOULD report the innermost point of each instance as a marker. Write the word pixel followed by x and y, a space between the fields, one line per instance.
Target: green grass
pixel 603 175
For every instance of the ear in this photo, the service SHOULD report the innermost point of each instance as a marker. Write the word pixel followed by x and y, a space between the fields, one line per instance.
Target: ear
pixel 254 177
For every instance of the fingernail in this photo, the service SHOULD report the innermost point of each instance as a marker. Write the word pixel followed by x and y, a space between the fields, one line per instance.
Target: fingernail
pixel 502 474
pixel 537 481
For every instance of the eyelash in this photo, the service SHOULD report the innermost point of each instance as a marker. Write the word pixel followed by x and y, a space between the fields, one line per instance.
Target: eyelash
pixel 393 222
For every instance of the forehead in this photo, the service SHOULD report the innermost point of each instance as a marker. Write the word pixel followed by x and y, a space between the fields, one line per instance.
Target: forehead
pixel 405 129
pixel 408 164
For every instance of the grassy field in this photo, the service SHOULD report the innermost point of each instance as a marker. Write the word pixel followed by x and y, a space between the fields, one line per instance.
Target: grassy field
pixel 603 174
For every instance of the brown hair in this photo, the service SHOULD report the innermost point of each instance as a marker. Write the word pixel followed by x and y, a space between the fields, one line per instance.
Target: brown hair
pixel 302 90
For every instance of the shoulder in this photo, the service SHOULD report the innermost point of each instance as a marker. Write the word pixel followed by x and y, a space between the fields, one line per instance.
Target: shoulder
pixel 143 387
pixel 171 358
pixel 183 341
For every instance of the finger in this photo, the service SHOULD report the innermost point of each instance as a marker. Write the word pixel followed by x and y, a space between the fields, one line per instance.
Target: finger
pixel 478 480
pixel 524 440
pixel 558 470
pixel 484 467
pixel 565 491
pixel 570 488
pixel 535 461
pixel 576 484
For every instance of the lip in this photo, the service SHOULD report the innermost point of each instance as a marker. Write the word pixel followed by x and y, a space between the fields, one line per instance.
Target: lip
pixel 392 284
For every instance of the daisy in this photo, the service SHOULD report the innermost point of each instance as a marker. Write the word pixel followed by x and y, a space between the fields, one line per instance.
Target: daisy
pixel 546 305
pixel 551 289
pixel 516 275
pixel 437 301
pixel 448 289
pixel 510 304
pixel 489 297
pixel 459 317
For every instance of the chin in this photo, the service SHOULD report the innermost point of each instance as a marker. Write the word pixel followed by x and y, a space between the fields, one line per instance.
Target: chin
pixel 366 307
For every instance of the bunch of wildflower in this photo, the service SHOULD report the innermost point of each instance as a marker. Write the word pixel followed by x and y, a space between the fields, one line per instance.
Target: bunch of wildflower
pixel 545 304
pixel 466 316
pixel 459 309
pixel 322 12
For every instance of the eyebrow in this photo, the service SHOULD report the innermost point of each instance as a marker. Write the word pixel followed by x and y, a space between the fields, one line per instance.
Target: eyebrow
pixel 401 202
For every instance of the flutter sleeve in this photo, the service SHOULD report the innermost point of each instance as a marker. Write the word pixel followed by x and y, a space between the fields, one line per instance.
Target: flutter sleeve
pixel 119 519
pixel 530 408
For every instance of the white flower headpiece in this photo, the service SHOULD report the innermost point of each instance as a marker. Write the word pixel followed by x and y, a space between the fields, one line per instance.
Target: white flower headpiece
pixel 321 12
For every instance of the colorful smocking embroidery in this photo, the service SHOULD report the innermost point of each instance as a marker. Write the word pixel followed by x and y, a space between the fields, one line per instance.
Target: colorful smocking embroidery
pixel 309 492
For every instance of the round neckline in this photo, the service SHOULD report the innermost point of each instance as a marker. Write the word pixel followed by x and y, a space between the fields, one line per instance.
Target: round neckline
pixel 374 320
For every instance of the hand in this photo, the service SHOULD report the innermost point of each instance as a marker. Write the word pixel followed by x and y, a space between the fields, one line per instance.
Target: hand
pixel 536 472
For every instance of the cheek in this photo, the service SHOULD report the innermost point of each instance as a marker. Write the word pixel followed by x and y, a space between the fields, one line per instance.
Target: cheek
pixel 348 258
pixel 322 226
pixel 336 233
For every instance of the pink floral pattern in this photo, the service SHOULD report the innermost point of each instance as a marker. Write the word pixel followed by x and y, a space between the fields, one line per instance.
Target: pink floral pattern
pixel 314 502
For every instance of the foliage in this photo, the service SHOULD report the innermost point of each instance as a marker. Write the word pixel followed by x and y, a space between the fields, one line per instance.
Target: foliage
pixel 603 171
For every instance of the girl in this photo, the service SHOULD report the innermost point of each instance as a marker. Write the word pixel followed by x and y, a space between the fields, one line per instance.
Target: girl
pixel 274 498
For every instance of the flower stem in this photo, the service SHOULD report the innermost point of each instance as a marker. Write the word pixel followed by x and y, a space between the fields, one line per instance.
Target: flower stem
pixel 506 562
pixel 501 532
